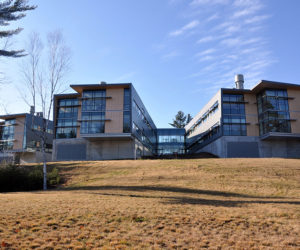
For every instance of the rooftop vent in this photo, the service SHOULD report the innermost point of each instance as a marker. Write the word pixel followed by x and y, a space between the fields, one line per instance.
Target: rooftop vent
pixel 239 81
pixel 102 83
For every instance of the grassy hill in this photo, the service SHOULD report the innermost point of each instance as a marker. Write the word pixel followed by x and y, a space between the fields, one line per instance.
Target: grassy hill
pixel 208 203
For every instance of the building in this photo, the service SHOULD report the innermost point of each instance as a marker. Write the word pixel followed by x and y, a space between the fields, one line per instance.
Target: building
pixel 20 137
pixel 109 121
pixel 260 122
pixel 102 122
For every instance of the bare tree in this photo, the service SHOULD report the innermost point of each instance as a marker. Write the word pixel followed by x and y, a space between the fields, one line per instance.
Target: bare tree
pixel 44 82
pixel 31 68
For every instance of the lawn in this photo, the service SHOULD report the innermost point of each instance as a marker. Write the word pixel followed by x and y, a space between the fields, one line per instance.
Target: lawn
pixel 203 203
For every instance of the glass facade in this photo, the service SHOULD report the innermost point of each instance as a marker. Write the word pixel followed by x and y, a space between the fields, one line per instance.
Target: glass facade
pixel 234 118
pixel 126 111
pixel 7 137
pixel 93 111
pixel 66 122
pixel 273 111
pixel 142 126
pixel 170 141
pixel 170 138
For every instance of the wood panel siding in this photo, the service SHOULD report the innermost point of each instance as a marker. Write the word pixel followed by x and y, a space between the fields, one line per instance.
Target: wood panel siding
pixel 115 123
pixel 116 101
pixel 114 110
pixel 19 133
pixel 251 115
pixel 294 107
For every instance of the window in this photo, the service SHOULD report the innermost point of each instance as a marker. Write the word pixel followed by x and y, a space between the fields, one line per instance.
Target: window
pixel 234 118
pixel 127 111
pixel 170 138
pixel 66 122
pixel 93 111
pixel 7 137
pixel 234 129
pixel 68 102
pixel 273 111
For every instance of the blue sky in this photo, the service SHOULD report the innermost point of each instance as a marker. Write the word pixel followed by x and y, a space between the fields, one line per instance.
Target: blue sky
pixel 177 53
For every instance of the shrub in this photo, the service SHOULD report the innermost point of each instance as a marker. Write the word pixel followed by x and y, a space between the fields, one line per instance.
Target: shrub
pixel 20 178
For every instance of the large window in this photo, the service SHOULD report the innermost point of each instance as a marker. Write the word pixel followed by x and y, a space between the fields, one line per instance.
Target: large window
pixel 273 111
pixel 7 137
pixel 234 118
pixel 93 111
pixel 127 112
pixel 170 138
pixel 66 122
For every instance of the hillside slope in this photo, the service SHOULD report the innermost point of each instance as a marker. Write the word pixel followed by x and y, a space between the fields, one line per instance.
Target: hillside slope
pixel 209 203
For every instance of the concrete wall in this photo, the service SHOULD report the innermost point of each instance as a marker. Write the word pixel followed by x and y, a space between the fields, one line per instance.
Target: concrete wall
pixel 251 115
pixel 252 146
pixel 33 157
pixel 294 107
pixel 71 149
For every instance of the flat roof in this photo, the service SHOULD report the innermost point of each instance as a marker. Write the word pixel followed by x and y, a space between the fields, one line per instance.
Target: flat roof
pixel 263 84
pixel 67 95
pixel 10 116
pixel 79 88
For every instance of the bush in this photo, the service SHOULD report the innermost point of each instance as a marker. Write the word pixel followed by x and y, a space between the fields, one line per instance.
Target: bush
pixel 21 178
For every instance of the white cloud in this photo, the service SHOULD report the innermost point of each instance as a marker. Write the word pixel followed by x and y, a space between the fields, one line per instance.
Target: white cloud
pixel 231 41
pixel 231 31
pixel 191 25
pixel 245 3
pixel 125 77
pixel 170 55
pixel 247 11
pixel 205 39
pixel 257 19
pixel 206 58
pixel 249 50
pixel 208 2
pixel 206 52
pixel 213 17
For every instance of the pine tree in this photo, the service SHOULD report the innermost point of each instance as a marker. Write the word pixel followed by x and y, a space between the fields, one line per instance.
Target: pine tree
pixel 12 10
pixel 179 121
pixel 188 118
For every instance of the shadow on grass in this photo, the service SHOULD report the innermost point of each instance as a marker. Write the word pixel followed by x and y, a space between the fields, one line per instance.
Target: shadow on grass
pixel 199 201
pixel 168 189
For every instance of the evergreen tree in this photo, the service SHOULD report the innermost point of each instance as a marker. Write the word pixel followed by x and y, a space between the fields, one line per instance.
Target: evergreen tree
pixel 12 10
pixel 188 118
pixel 179 121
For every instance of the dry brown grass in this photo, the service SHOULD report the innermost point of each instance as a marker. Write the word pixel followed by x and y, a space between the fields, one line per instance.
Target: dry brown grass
pixel 209 203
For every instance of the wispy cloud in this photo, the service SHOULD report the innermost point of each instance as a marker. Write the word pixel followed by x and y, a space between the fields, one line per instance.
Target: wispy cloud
pixel 231 40
pixel 212 17
pixel 125 77
pixel 257 19
pixel 205 39
pixel 248 10
pixel 191 25
pixel 170 55
pixel 206 52
pixel 208 2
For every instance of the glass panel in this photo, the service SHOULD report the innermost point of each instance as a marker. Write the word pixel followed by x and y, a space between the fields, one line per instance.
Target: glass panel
pixel 274 114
